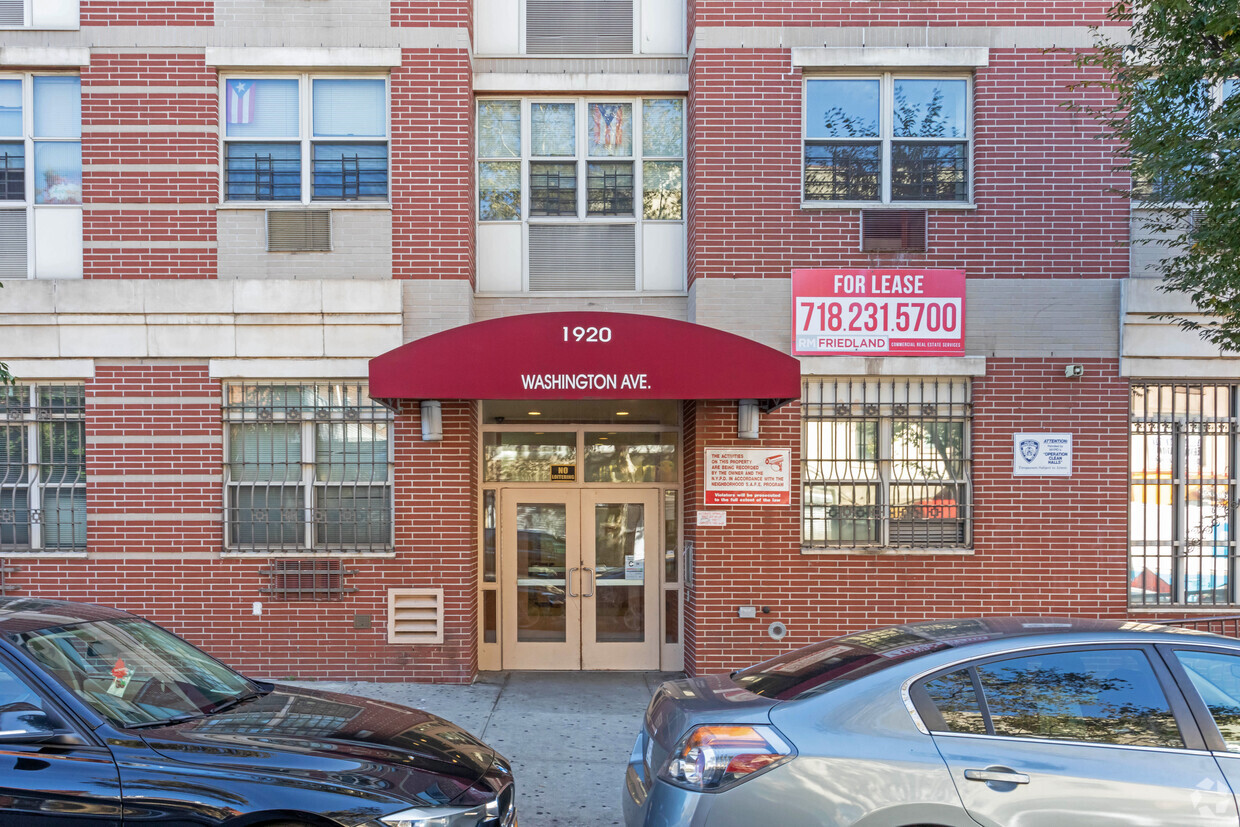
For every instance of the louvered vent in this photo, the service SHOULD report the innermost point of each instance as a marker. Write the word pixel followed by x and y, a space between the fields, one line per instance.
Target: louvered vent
pixel 579 27
pixel 13 244
pixel 12 13
pixel 893 231
pixel 299 231
pixel 415 615
pixel 583 257
pixel 307 579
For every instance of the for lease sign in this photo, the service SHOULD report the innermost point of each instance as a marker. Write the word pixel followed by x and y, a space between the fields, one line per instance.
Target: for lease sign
pixel 748 476
pixel 878 311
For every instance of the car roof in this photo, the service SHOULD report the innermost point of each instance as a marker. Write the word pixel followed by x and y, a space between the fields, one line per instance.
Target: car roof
pixel 26 614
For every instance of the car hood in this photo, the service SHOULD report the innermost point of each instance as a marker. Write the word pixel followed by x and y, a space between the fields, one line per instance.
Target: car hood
pixel 333 739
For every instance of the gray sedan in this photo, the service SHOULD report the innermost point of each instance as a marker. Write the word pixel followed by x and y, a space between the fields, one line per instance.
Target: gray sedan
pixel 1003 722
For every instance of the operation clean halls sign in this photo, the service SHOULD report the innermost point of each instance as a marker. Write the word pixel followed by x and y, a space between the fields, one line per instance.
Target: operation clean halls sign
pixel 893 312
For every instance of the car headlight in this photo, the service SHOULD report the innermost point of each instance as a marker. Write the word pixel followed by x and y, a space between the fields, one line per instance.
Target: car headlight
pixel 715 757
pixel 482 815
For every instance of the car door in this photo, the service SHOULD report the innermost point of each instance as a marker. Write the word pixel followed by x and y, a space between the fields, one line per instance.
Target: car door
pixel 1211 680
pixel 67 782
pixel 1086 737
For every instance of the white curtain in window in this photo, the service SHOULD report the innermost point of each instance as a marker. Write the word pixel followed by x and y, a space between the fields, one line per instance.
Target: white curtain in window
pixel 349 108
pixel 261 108
pixel 57 107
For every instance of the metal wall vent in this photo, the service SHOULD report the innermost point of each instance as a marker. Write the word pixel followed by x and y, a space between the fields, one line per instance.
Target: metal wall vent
pixel 307 579
pixel 579 27
pixel 12 13
pixel 13 244
pixel 893 231
pixel 415 616
pixel 5 583
pixel 583 257
pixel 299 231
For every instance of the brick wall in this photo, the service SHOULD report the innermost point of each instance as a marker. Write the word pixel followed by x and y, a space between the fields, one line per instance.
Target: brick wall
pixel 1043 545
pixel 436 13
pixel 739 13
pixel 432 169
pixel 150 152
pixel 154 508
pixel 147 12
pixel 1043 183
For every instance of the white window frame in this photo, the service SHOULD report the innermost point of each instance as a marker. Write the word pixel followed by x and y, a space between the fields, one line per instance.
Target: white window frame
pixel 63 14
pixel 305 139
pixel 29 142
pixel 34 485
pixel 582 160
pixel 886 137
pixel 307 481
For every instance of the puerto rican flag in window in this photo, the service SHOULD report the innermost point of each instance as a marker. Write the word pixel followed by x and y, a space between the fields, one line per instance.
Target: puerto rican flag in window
pixel 240 101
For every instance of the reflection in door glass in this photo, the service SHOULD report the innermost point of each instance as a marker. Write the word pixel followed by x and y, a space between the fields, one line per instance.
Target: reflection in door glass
pixel 630 457
pixel 620 569
pixel 541 572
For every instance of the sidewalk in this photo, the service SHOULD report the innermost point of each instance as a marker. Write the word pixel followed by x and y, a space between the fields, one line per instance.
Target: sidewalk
pixel 568 734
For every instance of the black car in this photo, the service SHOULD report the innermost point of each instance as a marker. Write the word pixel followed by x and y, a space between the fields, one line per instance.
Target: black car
pixel 109 720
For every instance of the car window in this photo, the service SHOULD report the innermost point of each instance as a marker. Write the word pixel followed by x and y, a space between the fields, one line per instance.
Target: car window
pixel 1101 696
pixel 954 697
pixel 15 693
pixel 1216 677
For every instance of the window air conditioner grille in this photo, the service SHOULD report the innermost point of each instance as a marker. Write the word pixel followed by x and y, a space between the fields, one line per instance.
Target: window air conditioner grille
pixel 12 13
pixel 415 616
pixel 583 257
pixel 299 231
pixel 893 231
pixel 307 579
pixel 579 27
pixel 13 244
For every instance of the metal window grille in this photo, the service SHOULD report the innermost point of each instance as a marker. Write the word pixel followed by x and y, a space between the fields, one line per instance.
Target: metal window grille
pixel 887 463
pixel 347 174
pixel 12 172
pixel 843 171
pixel 553 188
pixel 609 187
pixel 308 468
pixel 302 579
pixel 261 174
pixel 42 468
pixel 930 172
pixel 1182 548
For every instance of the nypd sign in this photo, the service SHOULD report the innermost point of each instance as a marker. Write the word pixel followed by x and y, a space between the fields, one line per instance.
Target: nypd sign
pixel 1042 455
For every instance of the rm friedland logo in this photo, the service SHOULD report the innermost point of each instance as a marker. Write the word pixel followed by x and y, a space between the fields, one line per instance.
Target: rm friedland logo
pixel 1029 449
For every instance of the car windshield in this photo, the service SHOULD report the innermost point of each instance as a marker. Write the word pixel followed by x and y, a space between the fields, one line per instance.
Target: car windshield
pixel 134 673
pixel 821 667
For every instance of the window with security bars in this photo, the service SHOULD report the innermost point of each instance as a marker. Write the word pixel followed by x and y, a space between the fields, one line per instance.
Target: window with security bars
pixel 887 464
pixel 887 139
pixel 302 139
pixel 1182 494
pixel 42 468
pixel 308 468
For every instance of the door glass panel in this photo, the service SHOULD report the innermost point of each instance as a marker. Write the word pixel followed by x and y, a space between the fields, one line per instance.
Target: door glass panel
pixel 526 457
pixel 671 534
pixel 1107 697
pixel 630 457
pixel 1217 679
pixel 620 571
pixel 541 530
pixel 671 616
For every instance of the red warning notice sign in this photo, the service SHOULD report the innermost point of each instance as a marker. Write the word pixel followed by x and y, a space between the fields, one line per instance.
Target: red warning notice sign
pixel 748 476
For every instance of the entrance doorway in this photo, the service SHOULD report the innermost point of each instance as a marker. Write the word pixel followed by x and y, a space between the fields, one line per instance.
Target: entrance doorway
pixel 582 578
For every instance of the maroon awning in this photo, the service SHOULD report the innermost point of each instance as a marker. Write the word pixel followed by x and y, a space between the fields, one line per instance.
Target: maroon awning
pixel 585 356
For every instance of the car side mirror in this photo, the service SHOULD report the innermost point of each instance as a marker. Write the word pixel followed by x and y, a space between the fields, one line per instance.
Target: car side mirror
pixel 26 726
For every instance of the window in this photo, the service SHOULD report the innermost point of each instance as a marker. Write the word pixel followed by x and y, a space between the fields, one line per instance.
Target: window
pixel 1216 676
pixel 1099 696
pixel 40 174
pixel 1181 495
pixel 309 468
pixel 590 178
pixel 887 463
pixel 305 139
pixel 887 139
pixel 42 468
pixel 38 14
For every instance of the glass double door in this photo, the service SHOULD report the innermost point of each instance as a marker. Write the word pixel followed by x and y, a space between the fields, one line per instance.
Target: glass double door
pixel 580 583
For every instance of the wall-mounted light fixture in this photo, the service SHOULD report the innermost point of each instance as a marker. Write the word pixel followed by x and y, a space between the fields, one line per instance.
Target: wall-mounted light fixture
pixel 747 419
pixel 432 421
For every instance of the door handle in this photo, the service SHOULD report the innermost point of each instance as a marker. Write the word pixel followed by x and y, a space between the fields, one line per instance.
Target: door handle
pixel 569 581
pixel 585 569
pixel 999 774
